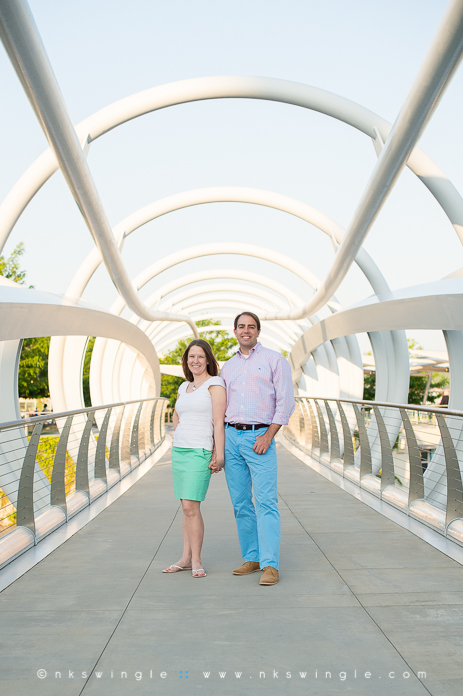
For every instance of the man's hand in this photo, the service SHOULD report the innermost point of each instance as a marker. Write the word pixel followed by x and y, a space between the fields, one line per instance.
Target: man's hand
pixel 216 465
pixel 262 443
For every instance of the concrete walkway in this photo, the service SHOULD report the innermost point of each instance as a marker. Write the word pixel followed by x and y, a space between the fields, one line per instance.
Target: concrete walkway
pixel 363 606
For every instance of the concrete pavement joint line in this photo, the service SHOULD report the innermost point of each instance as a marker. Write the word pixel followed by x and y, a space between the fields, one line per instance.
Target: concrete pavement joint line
pixel 356 597
pixel 419 529
pixel 128 603
pixel 29 559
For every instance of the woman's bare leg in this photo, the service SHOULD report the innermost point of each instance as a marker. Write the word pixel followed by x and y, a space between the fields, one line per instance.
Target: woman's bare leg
pixel 194 525
pixel 186 556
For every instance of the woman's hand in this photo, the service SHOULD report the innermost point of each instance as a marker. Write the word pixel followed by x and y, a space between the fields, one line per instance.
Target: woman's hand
pixel 217 463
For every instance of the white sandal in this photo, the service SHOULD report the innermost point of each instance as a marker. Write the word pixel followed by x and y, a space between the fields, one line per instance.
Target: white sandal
pixel 168 570
pixel 202 572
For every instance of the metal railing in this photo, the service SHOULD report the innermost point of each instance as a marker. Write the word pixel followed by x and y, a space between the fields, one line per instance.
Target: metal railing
pixel 54 465
pixel 409 456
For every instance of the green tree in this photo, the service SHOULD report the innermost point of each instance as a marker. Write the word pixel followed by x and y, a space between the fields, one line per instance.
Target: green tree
pixel 221 343
pixel 86 371
pixel 33 368
pixel 369 386
pixel 9 268
pixel 33 365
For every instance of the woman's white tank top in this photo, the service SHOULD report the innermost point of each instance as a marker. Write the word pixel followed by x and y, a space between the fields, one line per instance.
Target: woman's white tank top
pixel 194 410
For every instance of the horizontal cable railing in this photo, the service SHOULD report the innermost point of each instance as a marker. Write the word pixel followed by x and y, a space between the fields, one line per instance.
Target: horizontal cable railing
pixel 409 456
pixel 55 464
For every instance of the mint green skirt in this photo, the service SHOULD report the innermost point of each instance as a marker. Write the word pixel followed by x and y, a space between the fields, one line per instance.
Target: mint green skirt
pixel 191 473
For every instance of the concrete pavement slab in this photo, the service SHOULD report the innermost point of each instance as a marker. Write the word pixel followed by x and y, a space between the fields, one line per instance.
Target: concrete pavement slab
pixel 336 610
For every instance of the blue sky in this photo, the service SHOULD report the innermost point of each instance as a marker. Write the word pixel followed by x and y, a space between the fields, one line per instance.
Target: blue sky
pixel 365 51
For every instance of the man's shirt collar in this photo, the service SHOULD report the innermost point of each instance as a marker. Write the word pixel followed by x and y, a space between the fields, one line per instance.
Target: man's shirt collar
pixel 256 349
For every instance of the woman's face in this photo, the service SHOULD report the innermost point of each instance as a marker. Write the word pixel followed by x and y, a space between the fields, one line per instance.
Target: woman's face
pixel 197 361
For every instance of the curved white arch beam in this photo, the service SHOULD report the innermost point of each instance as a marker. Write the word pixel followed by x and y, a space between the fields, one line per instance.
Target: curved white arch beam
pixel 28 313
pixel 222 310
pixel 221 288
pixel 398 377
pixel 438 68
pixel 256 251
pixel 22 41
pixel 115 371
pixel 253 279
pixel 227 194
pixel 255 305
pixel 220 248
pixel 190 299
pixel 160 329
pixel 231 274
pixel 436 305
pixel 236 87
pixel 282 328
pixel 100 356
pixel 280 345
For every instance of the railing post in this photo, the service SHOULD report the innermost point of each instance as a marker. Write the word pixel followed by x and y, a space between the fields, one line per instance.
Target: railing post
pixel 365 451
pixel 82 457
pixel 315 437
pixel 58 477
pixel 25 504
pixel 125 448
pixel 335 450
pixel 100 456
pixel 134 451
pixel 349 457
pixel 387 461
pixel 416 488
pixel 454 487
pixel 114 459
pixel 152 416
pixel 308 424
pixel 142 431
pixel 323 433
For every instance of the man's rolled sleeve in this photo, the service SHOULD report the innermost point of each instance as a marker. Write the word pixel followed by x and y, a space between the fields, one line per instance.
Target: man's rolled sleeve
pixel 284 392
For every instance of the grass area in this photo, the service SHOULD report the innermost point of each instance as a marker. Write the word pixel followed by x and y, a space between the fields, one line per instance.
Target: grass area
pixel 7 513
pixel 46 456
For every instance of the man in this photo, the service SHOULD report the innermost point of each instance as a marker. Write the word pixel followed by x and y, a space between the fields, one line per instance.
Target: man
pixel 260 399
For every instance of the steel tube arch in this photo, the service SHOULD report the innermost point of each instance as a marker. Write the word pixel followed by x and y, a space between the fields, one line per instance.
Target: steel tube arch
pixel 230 87
pixel 255 304
pixel 25 49
pixel 229 194
pixel 439 67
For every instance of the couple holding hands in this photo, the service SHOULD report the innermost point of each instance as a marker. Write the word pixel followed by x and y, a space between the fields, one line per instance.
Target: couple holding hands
pixel 231 421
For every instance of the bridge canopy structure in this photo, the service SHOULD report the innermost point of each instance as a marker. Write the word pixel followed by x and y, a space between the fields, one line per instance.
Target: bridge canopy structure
pixel 395 470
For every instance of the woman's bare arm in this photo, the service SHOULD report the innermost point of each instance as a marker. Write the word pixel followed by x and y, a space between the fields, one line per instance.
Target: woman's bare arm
pixel 219 405
pixel 175 418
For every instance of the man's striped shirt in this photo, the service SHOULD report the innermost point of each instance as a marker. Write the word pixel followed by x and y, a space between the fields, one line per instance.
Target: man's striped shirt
pixel 259 387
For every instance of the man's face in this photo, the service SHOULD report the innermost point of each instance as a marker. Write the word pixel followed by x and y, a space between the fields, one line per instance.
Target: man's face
pixel 247 332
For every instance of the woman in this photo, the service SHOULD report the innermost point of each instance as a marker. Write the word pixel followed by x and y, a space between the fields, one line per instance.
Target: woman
pixel 199 428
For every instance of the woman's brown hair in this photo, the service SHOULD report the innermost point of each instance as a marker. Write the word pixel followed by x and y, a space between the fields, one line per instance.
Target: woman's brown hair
pixel 212 364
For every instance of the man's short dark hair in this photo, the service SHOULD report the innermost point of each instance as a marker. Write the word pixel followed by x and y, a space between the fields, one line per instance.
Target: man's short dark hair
pixel 248 314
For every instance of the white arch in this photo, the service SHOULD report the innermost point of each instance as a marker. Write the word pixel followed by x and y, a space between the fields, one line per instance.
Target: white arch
pixel 234 194
pixel 238 87
pixel 228 194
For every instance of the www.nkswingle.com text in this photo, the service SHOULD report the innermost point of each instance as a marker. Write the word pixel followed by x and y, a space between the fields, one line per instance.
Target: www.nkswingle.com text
pixel 272 674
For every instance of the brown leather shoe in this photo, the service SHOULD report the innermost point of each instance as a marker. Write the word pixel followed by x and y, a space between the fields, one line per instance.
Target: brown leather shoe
pixel 247 568
pixel 270 576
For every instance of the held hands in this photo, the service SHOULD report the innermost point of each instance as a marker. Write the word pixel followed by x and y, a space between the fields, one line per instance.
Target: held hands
pixel 217 463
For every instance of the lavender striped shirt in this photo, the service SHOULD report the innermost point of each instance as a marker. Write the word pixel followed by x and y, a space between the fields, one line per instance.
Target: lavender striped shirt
pixel 259 388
